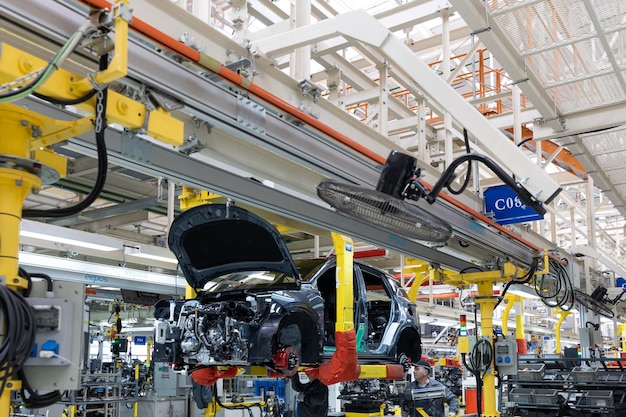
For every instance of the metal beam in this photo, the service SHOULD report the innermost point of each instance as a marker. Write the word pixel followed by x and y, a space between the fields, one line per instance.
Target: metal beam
pixel 293 156
pixel 111 211
pixel 496 41
pixel 422 79
pixel 195 173
pixel 131 218
pixel 580 123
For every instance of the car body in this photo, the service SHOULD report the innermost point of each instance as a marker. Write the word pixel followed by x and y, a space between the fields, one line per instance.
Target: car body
pixel 253 307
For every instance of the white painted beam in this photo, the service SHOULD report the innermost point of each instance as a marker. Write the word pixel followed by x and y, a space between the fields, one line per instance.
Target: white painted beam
pixel 360 26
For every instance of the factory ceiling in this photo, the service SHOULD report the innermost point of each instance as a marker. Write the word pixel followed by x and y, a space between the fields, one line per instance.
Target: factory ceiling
pixel 548 75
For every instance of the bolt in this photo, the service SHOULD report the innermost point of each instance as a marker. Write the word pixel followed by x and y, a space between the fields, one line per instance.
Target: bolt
pixel 122 107
pixel 24 122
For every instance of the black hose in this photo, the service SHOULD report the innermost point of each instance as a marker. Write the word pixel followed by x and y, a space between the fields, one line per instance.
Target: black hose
pixel 18 324
pixel 448 175
pixel 523 280
pixel 101 103
pixel 562 294
pixel 62 102
pixel 479 364
pixel 468 173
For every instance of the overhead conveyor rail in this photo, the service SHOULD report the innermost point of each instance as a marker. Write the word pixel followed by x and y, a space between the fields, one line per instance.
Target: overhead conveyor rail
pixel 224 121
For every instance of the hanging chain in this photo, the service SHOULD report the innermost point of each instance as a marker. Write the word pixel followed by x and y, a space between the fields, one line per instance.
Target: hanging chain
pixel 100 111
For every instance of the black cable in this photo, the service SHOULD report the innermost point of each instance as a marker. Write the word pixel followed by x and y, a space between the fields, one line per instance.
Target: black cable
pixel 448 175
pixel 18 323
pixel 46 277
pixel 479 364
pixel 562 292
pixel 523 280
pixel 101 103
pixel 70 102
pixel 238 407
pixel 14 93
pixel 478 268
pixel 33 399
pixel 19 315
pixel 23 274
pixel 468 173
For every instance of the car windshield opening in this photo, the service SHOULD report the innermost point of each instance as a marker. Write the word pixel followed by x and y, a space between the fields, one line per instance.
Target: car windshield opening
pixel 250 280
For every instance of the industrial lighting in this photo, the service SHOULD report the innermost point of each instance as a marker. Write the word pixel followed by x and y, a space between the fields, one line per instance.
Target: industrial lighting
pixel 462 325
pixel 155 253
pixel 97 274
pixel 71 237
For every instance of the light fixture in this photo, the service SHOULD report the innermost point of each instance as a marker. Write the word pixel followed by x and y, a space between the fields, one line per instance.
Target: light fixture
pixel 155 253
pixel 77 239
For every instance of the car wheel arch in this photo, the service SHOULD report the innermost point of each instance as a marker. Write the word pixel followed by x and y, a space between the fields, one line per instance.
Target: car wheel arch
pixel 409 344
pixel 310 341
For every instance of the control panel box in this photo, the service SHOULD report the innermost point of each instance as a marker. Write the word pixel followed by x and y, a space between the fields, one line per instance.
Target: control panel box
pixel 55 359
pixel 53 331
pixel 505 355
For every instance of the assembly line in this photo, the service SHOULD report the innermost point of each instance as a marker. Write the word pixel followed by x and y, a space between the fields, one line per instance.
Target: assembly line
pixel 232 241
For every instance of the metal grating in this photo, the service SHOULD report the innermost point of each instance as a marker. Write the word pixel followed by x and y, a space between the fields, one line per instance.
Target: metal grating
pixel 570 59
pixel 618 176
pixel 586 94
pixel 606 142
pixel 544 23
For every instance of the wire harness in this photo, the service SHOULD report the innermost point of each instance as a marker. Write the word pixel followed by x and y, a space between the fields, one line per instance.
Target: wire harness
pixel 18 323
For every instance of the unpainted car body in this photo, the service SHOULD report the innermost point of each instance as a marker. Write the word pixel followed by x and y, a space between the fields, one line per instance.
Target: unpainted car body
pixel 253 308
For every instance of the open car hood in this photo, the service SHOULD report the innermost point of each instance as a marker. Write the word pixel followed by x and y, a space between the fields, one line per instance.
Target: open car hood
pixel 215 239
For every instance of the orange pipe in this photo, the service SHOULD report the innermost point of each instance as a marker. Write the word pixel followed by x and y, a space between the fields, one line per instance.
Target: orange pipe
pixel 195 56
pixel 441 296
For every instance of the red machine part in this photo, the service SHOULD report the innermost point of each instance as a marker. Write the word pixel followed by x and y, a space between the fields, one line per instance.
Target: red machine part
pixel 287 361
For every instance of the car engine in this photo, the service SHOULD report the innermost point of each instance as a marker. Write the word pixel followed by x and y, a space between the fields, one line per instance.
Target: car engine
pixel 215 333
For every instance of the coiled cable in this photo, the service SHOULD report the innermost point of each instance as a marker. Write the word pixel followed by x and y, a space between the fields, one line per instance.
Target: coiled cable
pixel 555 288
pixel 18 323
pixel 479 363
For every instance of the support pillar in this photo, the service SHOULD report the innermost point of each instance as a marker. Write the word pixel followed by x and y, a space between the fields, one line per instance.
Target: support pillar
pixel 487 303
pixel 18 178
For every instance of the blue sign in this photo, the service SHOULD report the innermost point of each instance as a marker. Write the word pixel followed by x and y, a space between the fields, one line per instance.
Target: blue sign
pixel 139 340
pixel 506 206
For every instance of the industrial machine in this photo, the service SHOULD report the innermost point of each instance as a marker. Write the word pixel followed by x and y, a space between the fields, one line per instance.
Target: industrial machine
pixel 96 71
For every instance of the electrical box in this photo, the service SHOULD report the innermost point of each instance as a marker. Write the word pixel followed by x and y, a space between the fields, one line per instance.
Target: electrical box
pixel 590 337
pixel 168 383
pixel 55 359
pixel 505 355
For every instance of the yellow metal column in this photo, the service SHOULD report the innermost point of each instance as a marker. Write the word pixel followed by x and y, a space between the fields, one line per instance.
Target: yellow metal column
pixel 16 182
pixel 557 330
pixel 487 303
pixel 510 301
pixel 520 333
pixel 345 291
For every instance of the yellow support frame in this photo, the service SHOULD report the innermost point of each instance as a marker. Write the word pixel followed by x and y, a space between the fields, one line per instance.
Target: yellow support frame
pixel 487 302
pixel 28 136
pixel 63 84
pixel 344 250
